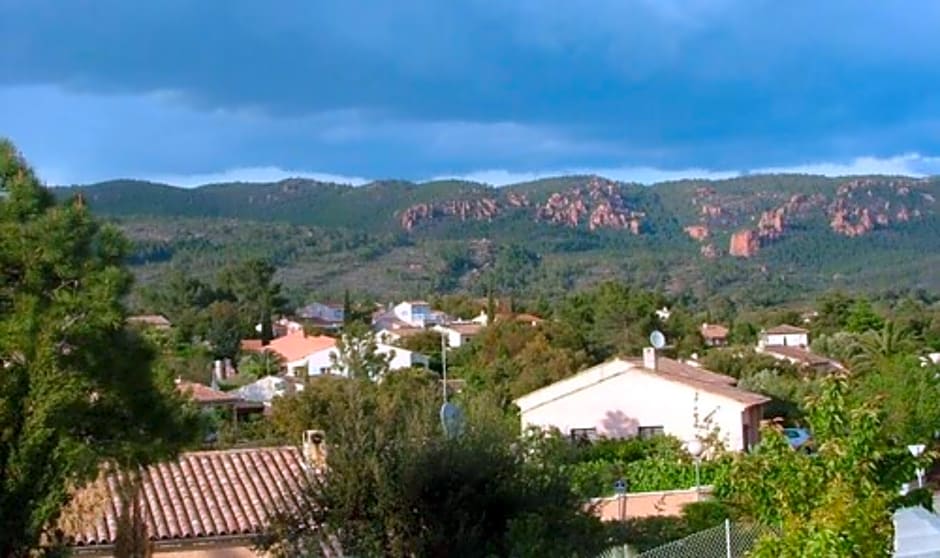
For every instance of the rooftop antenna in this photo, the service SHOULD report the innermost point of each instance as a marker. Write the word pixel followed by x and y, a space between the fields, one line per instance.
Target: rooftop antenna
pixel 657 339
pixel 451 416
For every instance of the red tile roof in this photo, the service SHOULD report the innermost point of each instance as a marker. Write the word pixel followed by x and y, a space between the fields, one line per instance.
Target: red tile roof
pixel 201 496
pixel 205 395
pixel 297 345
pixel 714 331
pixel 801 355
pixel 252 345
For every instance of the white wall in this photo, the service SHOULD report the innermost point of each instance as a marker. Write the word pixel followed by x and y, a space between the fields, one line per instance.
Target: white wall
pixel 788 339
pixel 621 404
pixel 413 314
pixel 454 339
pixel 316 362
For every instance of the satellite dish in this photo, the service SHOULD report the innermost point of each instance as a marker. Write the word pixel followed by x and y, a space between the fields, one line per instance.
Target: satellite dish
pixel 657 339
pixel 451 419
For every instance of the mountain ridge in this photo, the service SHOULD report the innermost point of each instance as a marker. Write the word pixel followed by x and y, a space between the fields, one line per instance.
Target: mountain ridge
pixel 578 228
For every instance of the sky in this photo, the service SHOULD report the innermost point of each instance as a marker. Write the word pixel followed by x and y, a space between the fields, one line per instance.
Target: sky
pixel 189 92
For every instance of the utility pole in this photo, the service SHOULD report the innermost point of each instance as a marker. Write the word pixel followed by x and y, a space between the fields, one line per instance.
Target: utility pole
pixel 444 363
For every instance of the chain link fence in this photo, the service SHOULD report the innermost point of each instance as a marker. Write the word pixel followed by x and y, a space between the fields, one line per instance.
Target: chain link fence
pixel 728 540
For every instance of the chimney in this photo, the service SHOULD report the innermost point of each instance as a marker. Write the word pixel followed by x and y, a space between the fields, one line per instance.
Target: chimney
pixel 314 449
pixel 217 373
pixel 649 358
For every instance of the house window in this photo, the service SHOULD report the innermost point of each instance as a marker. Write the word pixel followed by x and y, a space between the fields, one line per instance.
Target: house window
pixel 646 432
pixel 325 370
pixel 583 434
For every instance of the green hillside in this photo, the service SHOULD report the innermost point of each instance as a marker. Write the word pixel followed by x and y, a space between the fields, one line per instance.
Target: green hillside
pixel 544 238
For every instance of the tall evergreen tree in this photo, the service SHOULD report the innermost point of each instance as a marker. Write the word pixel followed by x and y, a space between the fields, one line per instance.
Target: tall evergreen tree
pixel 259 297
pixel 76 387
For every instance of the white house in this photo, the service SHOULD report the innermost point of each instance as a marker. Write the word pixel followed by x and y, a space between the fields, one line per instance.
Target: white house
pixel 784 336
pixel 313 355
pixel 266 389
pixel 627 397
pixel 391 336
pixel 402 358
pixel 415 313
pixel 459 334
pixel 327 316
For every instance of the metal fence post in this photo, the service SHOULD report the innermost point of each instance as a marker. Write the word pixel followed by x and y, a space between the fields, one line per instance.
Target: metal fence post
pixel 728 536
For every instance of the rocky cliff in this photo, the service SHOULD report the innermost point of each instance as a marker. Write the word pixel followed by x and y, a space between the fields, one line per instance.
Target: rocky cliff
pixel 598 204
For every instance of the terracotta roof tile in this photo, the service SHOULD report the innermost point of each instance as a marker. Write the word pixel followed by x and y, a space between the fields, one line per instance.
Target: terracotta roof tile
pixel 802 355
pixel 714 331
pixel 204 394
pixel 253 345
pixel 200 496
pixel 297 345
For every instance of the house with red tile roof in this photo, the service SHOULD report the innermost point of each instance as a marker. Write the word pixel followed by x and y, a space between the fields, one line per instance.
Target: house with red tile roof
pixel 714 335
pixel 209 504
pixel 313 355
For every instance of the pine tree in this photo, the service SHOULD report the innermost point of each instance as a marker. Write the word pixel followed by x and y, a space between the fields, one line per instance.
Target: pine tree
pixel 76 388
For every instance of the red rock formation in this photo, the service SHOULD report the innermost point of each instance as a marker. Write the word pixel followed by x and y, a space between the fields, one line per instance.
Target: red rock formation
pixel 478 210
pixel 597 203
pixel 771 224
pixel 697 232
pixel 514 199
pixel 744 244
pixel 712 211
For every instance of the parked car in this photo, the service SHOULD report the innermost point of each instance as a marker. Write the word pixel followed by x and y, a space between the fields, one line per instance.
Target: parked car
pixel 799 438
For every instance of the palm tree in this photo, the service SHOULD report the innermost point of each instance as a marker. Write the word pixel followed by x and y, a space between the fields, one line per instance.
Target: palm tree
pixel 874 349
pixel 261 364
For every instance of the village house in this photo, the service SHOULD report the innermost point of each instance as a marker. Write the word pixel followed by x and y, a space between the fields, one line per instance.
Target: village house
pixel 265 390
pixel 415 313
pixel 459 334
pixel 313 355
pixel 714 335
pixel 323 315
pixel 784 336
pixel 791 344
pixel 627 397
pixel 206 504
pixel 392 336
pixel 522 318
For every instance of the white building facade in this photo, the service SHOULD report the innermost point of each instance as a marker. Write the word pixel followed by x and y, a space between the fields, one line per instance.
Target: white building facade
pixel 623 398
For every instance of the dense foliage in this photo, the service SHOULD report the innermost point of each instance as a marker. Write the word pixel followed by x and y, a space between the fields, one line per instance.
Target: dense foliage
pixel 835 502
pixel 76 389
pixel 394 485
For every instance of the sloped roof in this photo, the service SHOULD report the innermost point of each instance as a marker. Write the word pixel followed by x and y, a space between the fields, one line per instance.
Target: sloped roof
pixel 801 355
pixel 714 331
pixel 297 345
pixel 205 395
pixel 784 329
pixel 200 496
pixel 666 369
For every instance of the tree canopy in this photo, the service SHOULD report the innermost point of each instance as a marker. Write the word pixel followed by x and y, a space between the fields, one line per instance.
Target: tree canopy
pixel 77 387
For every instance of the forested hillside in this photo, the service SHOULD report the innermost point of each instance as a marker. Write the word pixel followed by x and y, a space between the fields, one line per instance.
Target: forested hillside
pixel 754 240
